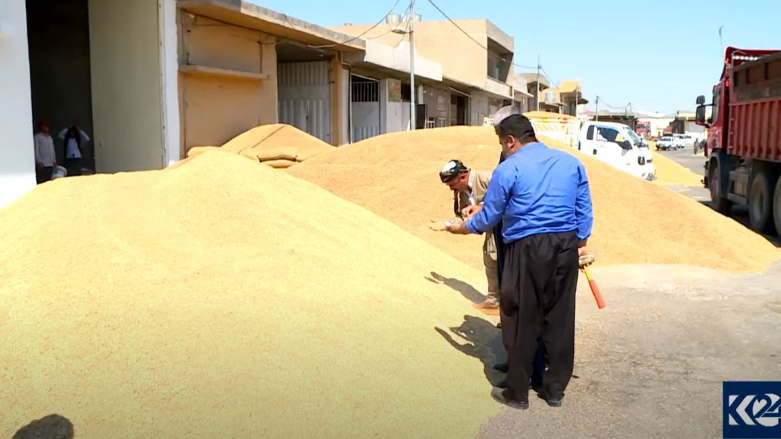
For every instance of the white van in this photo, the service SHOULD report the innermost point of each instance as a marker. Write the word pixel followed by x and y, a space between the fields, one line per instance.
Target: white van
pixel 618 145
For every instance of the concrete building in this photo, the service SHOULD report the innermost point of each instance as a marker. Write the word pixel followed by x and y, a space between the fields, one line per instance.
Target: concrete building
pixel 571 94
pixel 549 96
pixel 148 79
pixel 657 122
pixel 477 66
pixel 108 66
pixel 685 123
pixel 380 92
pixel 242 65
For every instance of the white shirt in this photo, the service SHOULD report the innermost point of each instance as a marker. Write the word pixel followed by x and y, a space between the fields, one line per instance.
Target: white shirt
pixel 471 197
pixel 44 150
pixel 72 148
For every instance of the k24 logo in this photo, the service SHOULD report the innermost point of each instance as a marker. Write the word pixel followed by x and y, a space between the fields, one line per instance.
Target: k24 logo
pixel 752 409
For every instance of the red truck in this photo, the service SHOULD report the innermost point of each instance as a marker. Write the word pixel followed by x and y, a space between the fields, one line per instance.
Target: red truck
pixel 744 137
pixel 643 128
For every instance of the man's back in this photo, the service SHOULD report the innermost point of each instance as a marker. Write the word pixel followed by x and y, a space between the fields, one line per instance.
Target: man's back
pixel 544 185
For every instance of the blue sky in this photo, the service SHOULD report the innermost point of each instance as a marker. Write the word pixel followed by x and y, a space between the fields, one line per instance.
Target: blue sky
pixel 657 55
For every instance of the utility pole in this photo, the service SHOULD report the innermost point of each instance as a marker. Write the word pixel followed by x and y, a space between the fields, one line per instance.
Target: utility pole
pixel 412 116
pixel 596 113
pixel 538 83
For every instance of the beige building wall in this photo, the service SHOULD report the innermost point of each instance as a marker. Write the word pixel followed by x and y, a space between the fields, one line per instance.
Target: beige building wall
pixel 441 42
pixel 126 76
pixel 437 102
pixel 227 81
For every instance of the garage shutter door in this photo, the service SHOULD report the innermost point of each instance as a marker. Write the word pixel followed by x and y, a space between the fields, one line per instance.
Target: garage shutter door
pixel 304 90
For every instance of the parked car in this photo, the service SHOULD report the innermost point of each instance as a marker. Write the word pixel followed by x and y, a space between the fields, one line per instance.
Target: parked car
pixel 666 143
pixel 679 141
pixel 619 146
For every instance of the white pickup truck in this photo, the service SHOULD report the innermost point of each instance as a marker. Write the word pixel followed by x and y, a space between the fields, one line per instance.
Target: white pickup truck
pixel 619 146
pixel 666 143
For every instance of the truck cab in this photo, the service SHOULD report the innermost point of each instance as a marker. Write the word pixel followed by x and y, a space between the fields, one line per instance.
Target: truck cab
pixel 617 145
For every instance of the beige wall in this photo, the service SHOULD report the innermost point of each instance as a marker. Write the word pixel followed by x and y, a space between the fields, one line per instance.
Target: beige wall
pixel 126 85
pixel 437 102
pixel 442 42
pixel 216 108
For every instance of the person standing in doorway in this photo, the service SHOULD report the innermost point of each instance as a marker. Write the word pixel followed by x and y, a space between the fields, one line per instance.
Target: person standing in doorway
pixel 542 196
pixel 73 139
pixel 45 157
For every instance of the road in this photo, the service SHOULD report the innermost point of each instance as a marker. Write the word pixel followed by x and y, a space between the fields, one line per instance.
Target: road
pixel 653 362
pixel 695 164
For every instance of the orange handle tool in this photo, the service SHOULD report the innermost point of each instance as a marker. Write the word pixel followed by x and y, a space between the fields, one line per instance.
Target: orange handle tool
pixel 594 288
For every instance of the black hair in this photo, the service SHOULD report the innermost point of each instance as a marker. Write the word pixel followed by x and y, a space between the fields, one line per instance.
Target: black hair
pixel 519 126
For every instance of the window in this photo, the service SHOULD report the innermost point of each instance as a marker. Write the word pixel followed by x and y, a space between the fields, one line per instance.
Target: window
pixel 606 134
pixel 716 102
pixel 406 95
pixel 590 133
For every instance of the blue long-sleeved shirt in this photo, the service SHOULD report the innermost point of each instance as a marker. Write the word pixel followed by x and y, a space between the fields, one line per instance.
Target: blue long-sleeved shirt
pixel 536 190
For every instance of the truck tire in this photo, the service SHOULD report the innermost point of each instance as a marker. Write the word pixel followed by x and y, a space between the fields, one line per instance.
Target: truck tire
pixel 777 207
pixel 760 202
pixel 718 198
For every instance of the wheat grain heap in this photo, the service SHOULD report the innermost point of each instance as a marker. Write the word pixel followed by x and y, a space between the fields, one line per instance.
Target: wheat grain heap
pixel 227 299
pixel 275 145
pixel 636 222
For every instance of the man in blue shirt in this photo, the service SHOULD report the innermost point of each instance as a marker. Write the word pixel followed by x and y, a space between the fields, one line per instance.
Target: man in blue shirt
pixel 542 198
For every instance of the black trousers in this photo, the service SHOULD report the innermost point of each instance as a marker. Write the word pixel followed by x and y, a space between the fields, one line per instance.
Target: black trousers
pixel 43 174
pixel 540 363
pixel 537 299
pixel 74 166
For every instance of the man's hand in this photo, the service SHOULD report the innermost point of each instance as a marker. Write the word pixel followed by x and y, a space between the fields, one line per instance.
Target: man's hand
pixel 472 210
pixel 458 229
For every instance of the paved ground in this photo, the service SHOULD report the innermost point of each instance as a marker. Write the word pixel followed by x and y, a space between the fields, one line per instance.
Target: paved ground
pixel 652 363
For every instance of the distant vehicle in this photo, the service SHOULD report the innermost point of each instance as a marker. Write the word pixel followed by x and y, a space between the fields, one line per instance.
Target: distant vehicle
pixel 679 141
pixel 643 129
pixel 619 146
pixel 743 150
pixel 666 143
pixel 643 141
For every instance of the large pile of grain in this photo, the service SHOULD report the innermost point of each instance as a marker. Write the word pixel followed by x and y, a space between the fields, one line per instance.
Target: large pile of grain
pixel 670 172
pixel 276 145
pixel 636 221
pixel 256 305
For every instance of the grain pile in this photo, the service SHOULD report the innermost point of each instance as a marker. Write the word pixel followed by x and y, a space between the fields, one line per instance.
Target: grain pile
pixel 670 172
pixel 276 145
pixel 636 222
pixel 259 305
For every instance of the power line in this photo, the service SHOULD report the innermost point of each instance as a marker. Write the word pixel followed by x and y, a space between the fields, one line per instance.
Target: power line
pixel 471 38
pixel 613 107
pixel 379 22
pixel 556 83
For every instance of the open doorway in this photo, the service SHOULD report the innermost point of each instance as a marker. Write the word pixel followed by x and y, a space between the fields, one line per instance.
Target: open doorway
pixel 458 110
pixel 59 51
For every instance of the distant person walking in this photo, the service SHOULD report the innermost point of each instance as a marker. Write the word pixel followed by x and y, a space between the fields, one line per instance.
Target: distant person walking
pixel 74 140
pixel 45 157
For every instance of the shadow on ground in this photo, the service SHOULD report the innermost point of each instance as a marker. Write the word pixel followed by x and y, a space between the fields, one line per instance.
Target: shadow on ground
pixel 468 291
pixel 49 427
pixel 482 340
